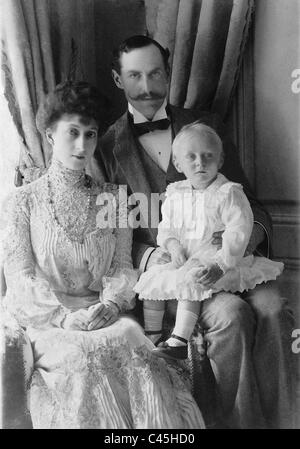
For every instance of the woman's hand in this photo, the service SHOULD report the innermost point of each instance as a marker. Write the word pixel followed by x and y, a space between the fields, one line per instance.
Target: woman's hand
pixel 103 315
pixel 78 320
pixel 95 317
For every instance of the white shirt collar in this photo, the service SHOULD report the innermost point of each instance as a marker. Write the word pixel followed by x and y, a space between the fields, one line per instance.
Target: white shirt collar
pixel 186 184
pixel 139 118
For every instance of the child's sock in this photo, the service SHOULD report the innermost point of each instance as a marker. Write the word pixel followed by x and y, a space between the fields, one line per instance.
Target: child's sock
pixel 184 326
pixel 153 323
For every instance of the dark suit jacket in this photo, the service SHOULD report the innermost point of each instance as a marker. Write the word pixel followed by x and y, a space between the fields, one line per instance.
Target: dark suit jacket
pixel 118 157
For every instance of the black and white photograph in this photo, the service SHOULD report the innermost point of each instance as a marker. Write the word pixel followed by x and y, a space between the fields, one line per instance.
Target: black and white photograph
pixel 149 224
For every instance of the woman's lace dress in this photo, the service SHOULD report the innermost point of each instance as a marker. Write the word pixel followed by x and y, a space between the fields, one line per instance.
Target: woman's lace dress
pixel 65 249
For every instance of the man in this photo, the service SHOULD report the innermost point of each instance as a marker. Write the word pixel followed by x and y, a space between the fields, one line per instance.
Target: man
pixel 248 338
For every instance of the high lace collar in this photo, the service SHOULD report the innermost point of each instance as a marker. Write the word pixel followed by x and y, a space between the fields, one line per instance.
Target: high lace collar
pixel 60 174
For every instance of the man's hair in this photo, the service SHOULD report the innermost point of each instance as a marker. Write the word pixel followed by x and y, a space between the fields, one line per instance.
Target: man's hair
pixel 135 42
pixel 195 128
pixel 71 97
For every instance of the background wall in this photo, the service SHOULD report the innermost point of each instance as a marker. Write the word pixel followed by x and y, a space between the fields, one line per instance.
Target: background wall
pixel 277 130
pixel 277 135
pixel 276 54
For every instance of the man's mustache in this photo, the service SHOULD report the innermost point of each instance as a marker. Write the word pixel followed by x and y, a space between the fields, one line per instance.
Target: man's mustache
pixel 151 96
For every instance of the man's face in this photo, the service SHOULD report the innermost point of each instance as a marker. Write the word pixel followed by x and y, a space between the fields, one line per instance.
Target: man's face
pixel 144 79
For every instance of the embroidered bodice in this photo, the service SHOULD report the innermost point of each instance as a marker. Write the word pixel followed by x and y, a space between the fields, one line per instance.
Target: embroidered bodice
pixel 59 252
pixel 69 194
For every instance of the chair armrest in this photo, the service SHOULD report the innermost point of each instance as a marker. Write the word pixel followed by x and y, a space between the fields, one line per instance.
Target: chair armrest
pixel 16 369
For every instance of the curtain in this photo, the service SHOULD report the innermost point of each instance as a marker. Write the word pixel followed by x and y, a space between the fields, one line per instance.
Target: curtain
pixel 27 65
pixel 43 41
pixel 206 39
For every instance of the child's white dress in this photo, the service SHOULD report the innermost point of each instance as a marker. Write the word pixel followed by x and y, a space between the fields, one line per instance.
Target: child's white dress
pixel 192 216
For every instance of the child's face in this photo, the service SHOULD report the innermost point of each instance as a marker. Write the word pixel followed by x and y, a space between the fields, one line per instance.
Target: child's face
pixel 199 157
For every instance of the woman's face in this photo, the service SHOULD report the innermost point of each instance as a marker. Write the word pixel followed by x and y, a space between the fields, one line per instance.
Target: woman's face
pixel 73 139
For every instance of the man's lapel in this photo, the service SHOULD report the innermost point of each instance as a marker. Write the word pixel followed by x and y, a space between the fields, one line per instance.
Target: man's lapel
pixel 127 154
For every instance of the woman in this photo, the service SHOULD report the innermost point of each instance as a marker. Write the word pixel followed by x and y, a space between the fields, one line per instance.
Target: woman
pixel 70 277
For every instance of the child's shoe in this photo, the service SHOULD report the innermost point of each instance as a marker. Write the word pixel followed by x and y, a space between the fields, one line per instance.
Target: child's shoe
pixel 166 351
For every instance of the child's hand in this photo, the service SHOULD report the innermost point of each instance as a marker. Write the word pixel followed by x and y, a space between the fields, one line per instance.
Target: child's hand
pixel 158 257
pixel 177 253
pixel 209 275
pixel 178 256
pixel 192 272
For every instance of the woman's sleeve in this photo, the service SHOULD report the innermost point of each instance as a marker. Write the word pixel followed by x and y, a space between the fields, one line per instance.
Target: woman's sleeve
pixel 120 279
pixel 29 298
pixel 237 216
pixel 171 223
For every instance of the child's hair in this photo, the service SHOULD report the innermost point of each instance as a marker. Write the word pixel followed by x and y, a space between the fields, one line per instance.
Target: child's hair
pixel 71 97
pixel 196 128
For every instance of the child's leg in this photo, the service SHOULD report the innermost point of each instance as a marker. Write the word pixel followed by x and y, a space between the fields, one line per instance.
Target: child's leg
pixel 153 317
pixel 186 318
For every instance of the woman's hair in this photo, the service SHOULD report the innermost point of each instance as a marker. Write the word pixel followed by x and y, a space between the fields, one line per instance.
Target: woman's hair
pixel 72 97
pixel 201 130
pixel 136 42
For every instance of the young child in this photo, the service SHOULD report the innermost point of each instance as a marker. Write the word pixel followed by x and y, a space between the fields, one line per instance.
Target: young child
pixel 193 210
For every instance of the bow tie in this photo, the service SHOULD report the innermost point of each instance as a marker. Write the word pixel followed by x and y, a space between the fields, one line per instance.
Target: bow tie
pixel 147 127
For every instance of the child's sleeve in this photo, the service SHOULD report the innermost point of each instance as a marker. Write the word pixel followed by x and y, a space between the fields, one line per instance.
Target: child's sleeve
pixel 171 223
pixel 237 216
